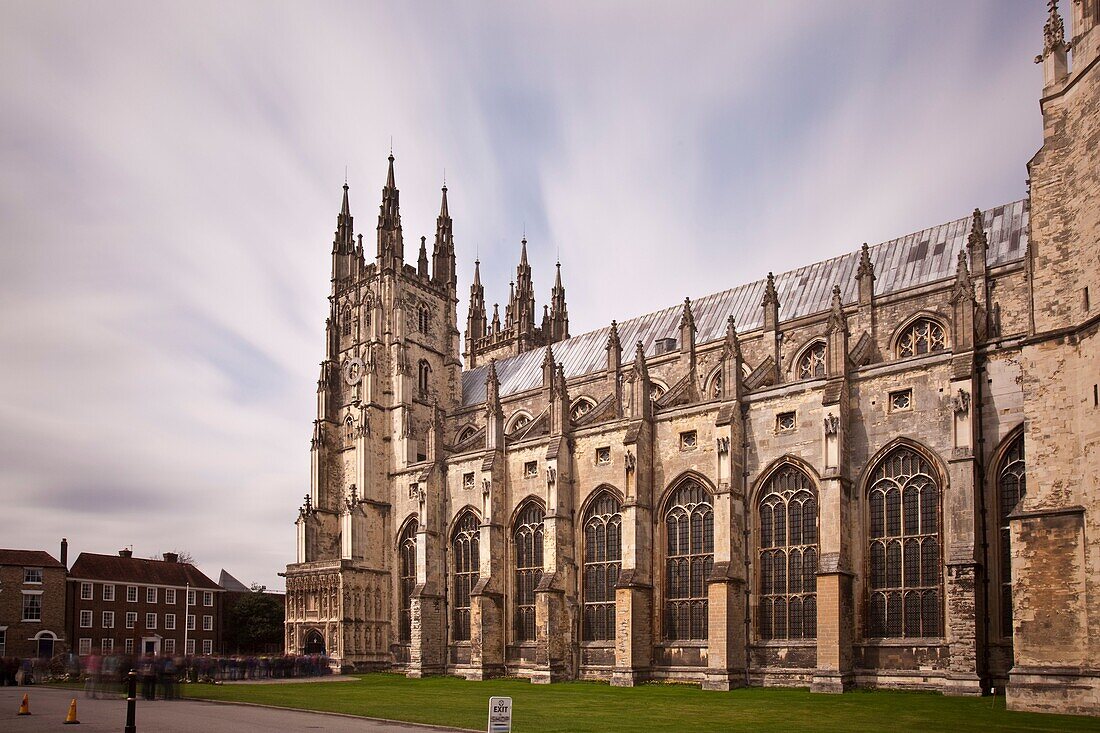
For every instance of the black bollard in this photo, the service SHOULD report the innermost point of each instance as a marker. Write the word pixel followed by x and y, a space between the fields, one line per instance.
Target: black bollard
pixel 131 701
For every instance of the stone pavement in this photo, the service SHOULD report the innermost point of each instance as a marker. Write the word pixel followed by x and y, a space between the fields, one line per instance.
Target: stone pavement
pixel 49 705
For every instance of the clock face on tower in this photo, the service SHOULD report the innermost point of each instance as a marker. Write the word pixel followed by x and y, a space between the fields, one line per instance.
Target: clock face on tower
pixel 353 370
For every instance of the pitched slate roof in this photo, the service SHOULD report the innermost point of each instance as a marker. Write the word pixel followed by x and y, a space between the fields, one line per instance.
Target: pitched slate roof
pixel 227 581
pixel 135 570
pixel 28 558
pixel 917 259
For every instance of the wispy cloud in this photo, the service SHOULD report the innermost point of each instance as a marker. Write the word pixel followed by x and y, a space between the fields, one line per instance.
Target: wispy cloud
pixel 171 178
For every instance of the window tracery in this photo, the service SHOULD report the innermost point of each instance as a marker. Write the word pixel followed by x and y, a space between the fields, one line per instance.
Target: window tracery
pixel 905 575
pixel 1010 490
pixel 464 550
pixel 407 551
pixel 811 363
pixel 581 407
pixel 788 556
pixel 923 336
pixel 689 525
pixel 527 538
pixel 423 319
pixel 345 320
pixel 423 375
pixel 602 564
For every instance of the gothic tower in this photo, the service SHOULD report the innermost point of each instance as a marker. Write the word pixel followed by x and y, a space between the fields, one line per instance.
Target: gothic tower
pixel 1055 607
pixel 391 366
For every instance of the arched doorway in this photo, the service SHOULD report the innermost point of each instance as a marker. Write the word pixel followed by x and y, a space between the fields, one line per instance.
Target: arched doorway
pixel 315 642
pixel 45 641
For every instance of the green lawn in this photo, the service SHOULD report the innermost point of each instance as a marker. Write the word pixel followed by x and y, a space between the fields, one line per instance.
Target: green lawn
pixel 578 707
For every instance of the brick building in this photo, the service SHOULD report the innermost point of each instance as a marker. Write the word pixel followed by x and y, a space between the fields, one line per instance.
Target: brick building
pixel 877 470
pixel 32 604
pixel 126 604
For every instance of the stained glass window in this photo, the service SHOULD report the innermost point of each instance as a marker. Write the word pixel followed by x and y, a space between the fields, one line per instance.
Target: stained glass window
pixel 527 538
pixel 905 576
pixel 602 564
pixel 811 363
pixel 466 572
pixel 689 525
pixel 1010 489
pixel 788 556
pixel 406 549
pixel 923 336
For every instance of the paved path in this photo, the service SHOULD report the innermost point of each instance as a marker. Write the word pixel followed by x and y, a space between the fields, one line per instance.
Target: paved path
pixel 49 706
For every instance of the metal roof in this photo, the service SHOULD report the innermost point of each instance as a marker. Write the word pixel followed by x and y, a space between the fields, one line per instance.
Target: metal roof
pixel 916 259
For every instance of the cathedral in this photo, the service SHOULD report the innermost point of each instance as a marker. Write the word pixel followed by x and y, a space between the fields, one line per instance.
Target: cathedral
pixel 880 470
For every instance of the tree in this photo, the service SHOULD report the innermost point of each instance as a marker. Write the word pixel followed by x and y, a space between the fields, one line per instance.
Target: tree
pixel 255 622
pixel 184 556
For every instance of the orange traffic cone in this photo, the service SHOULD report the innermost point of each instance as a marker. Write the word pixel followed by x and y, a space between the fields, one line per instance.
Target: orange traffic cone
pixel 25 707
pixel 70 719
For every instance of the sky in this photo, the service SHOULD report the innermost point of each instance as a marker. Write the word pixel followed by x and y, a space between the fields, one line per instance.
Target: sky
pixel 171 175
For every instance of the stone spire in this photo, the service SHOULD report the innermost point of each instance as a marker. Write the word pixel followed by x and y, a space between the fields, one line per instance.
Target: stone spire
pixel 614 350
pixel 641 404
pixel 963 308
pixel 559 401
pixel 475 316
pixel 391 246
pixel 548 368
pixel 496 318
pixel 521 307
pixel 343 242
pixel 866 276
pixel 687 328
pixel 344 239
pixel 422 259
pixel 837 330
pixel 730 387
pixel 443 252
pixel 1054 56
pixel 837 321
pixel 964 286
pixel 494 414
pixel 559 312
pixel 770 304
pixel 977 244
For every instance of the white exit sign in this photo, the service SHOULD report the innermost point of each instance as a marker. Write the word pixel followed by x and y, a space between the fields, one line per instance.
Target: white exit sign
pixel 500 715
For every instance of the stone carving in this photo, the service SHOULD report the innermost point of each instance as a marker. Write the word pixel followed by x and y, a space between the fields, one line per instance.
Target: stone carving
pixel 832 424
pixel 551 475
pixel 723 445
pixel 629 461
pixel 353 370
pixel 486 485
pixel 960 403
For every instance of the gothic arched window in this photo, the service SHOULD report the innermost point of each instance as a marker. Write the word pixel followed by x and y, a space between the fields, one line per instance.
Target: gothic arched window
pixel 464 550
pixel 716 386
pixel 811 362
pixel 922 336
pixel 423 318
pixel 406 550
pixel 580 407
pixel 423 373
pixel 905 577
pixel 349 429
pixel 518 422
pixel 1010 489
pixel 527 536
pixel 689 525
pixel 345 321
pixel 788 556
pixel 656 390
pixel 603 552
pixel 465 433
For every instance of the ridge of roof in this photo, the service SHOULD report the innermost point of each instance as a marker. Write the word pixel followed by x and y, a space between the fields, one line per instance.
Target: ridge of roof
pixel 915 259
pixel 93 566
pixel 36 558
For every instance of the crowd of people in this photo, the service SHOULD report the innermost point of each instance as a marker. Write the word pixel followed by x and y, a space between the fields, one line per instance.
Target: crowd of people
pixel 157 675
